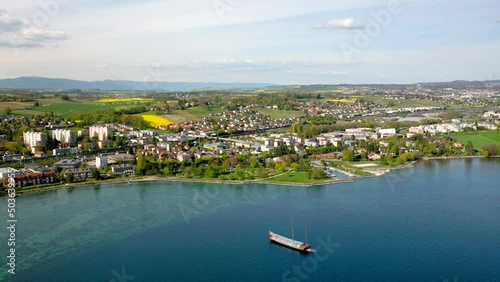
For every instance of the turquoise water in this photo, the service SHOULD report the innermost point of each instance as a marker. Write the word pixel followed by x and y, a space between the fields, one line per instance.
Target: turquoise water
pixel 437 221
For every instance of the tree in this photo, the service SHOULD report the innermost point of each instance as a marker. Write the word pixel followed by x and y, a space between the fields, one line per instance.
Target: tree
pixel 7 111
pixel 347 156
pixel 96 174
pixel 210 173
pixel 491 149
pixel 317 173
pixel 469 148
pixel 65 97
pixel 140 168
pixel 69 178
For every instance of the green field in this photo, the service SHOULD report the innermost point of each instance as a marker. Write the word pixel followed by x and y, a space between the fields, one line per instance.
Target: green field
pixel 280 113
pixel 294 177
pixel 14 106
pixel 201 112
pixel 400 103
pixel 478 139
pixel 66 109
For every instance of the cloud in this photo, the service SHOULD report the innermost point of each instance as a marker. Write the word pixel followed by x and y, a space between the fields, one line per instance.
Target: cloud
pixel 15 33
pixel 18 43
pixel 348 23
pixel 498 21
pixel 37 34
pixel 8 24
pixel 252 66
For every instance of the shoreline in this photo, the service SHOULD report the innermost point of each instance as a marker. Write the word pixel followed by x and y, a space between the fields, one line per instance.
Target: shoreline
pixel 375 173
pixel 453 157
pixel 186 180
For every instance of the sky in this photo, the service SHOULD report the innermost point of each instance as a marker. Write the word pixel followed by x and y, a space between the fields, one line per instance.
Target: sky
pixel 266 41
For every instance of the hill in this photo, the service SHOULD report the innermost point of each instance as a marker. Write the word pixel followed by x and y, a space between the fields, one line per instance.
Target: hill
pixel 62 83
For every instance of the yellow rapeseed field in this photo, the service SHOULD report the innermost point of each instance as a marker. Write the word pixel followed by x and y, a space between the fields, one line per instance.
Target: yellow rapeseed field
pixel 342 101
pixel 155 120
pixel 118 100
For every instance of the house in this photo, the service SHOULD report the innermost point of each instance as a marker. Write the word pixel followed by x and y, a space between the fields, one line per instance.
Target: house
pixel 120 158
pixel 40 154
pixel 182 156
pixel 79 173
pixel 123 169
pixel 35 179
pixel 104 143
pixel 386 132
pixel 67 164
pixel 65 151
pixel 6 172
pixel 384 144
pixel 101 161
pixel 373 156
pixel 12 157
pixel 36 168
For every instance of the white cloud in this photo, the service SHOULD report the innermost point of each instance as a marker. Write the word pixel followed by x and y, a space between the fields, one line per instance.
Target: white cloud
pixel 8 24
pixel 262 40
pixel 15 32
pixel 43 34
pixel 18 43
pixel 348 23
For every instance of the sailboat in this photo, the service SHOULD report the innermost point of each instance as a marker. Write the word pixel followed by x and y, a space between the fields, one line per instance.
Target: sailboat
pixel 291 243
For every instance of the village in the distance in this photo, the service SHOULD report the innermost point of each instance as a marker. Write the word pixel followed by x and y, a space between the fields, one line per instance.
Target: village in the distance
pixel 294 135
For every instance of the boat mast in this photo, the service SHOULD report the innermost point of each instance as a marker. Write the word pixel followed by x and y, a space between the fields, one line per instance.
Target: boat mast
pixel 306 233
pixel 292 229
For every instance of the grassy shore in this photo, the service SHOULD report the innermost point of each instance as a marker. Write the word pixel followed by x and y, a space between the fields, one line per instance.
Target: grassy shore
pixel 291 178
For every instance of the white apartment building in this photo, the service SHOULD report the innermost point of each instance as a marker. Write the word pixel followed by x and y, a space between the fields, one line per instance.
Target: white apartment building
pixel 102 132
pixel 33 139
pixel 64 136
pixel 101 161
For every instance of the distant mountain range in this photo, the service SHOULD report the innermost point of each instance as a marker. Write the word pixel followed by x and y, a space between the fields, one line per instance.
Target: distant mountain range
pixel 61 83
pixel 33 82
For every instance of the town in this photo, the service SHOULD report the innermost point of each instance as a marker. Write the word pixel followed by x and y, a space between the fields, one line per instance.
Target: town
pixel 296 137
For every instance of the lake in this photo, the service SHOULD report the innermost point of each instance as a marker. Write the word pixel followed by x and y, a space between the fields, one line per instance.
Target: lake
pixel 437 221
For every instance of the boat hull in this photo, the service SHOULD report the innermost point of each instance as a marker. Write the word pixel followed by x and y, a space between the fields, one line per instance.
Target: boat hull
pixel 290 243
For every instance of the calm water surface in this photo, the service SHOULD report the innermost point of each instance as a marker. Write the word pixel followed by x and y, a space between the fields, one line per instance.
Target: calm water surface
pixel 435 222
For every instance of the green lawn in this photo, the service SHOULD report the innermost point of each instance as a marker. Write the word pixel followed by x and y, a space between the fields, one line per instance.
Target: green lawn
pixel 280 113
pixel 294 177
pixel 478 139
pixel 201 112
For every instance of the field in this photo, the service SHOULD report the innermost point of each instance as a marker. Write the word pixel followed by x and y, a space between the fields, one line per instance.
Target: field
pixel 201 112
pixel 14 106
pixel 280 113
pixel 67 108
pixel 478 139
pixel 155 120
pixel 400 103
pixel 123 100
pixel 342 101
